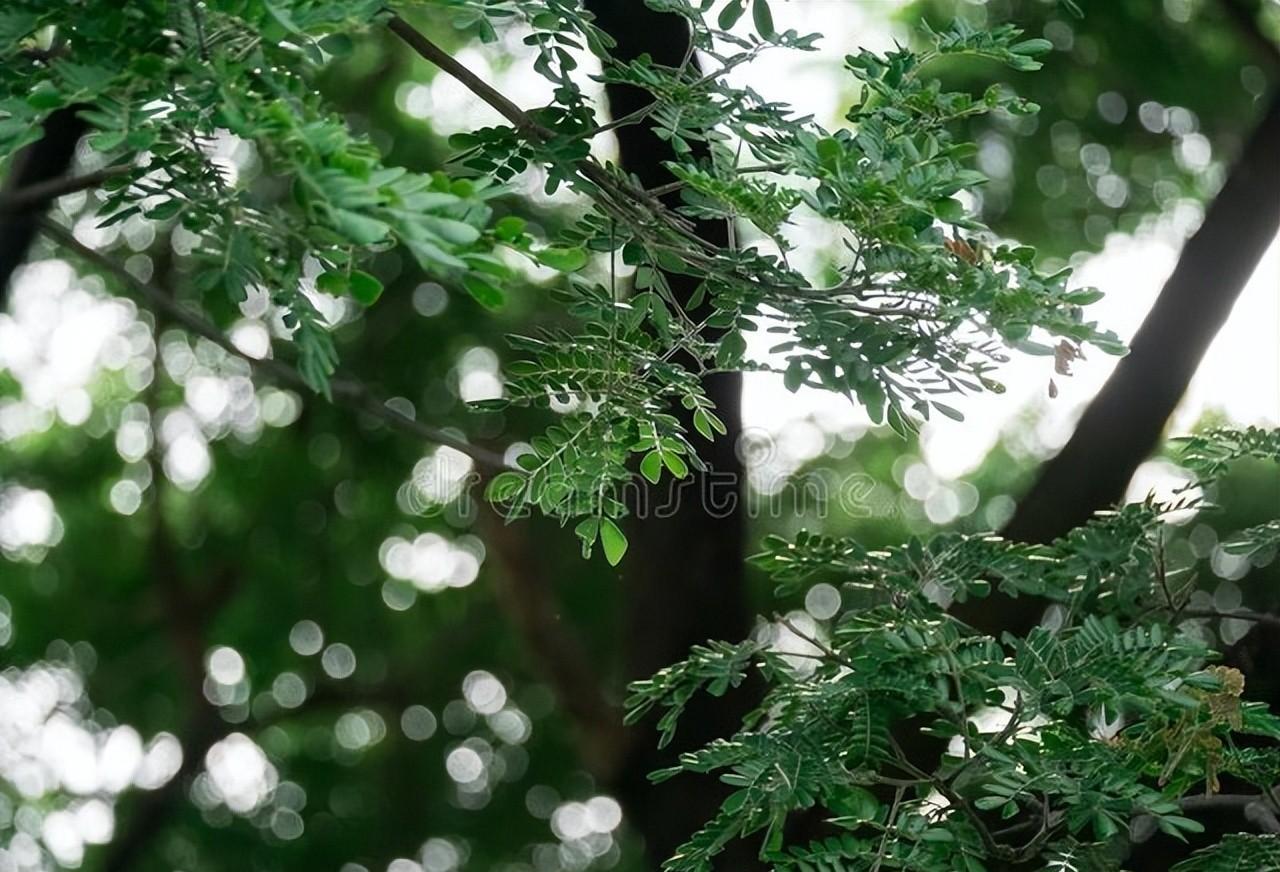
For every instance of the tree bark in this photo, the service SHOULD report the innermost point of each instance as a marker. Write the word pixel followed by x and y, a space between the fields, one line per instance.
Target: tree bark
pixel 42 161
pixel 687 584
pixel 1123 424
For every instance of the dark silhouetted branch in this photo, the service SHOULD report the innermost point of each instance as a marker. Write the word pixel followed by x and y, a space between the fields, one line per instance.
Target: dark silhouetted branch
pixel 41 193
pixel 1253 617
pixel 1124 422
pixel 690 585
pixel 43 162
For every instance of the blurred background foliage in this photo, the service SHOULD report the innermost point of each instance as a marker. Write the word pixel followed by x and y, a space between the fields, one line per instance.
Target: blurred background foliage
pixel 315 578
pixel 1146 105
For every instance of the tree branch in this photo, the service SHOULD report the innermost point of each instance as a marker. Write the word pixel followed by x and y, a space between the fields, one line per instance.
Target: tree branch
pixel 473 83
pixel 1255 617
pixel 40 193
pixel 1124 421
pixel 349 392
pixel 46 159
pixel 619 189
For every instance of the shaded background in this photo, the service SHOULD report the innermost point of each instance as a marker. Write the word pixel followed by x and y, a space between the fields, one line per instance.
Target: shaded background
pixel 242 629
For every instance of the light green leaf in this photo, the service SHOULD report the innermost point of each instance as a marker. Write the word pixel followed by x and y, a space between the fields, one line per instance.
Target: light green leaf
pixel 333 282
pixel 484 293
pixel 613 540
pixel 563 259
pixel 587 531
pixel 651 466
pixel 365 288
pixel 360 229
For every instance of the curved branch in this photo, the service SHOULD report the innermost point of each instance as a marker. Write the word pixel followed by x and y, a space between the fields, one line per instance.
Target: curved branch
pixel 1124 422
pixel 350 392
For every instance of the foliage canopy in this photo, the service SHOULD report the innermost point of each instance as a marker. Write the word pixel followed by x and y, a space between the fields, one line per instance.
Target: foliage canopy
pixel 1059 744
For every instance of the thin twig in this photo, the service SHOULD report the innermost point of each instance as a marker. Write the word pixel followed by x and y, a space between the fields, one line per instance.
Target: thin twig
pixel 525 124
pixel 827 651
pixel 672 187
pixel 473 83
pixel 350 392
pixel 888 825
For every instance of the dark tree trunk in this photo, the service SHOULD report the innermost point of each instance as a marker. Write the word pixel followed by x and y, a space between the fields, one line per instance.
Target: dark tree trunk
pixel 1123 424
pixel 42 161
pixel 687 584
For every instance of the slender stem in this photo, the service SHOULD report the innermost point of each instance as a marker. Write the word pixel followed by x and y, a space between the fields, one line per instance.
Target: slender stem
pixel 888 828
pixel 672 187
pixel 524 123
pixel 473 83
pixel 349 392
pixel 630 118
pixel 827 651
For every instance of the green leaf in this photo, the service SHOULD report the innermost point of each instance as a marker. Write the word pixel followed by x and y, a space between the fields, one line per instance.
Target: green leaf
pixel 871 394
pixel 333 282
pixel 563 259
pixel 675 463
pixel 166 210
pixel 793 375
pixel 509 228
pixel 337 44
pixel 730 14
pixel 732 347
pixel 1084 296
pixel 45 95
pixel 365 288
pixel 587 531
pixel 703 423
pixel 763 18
pixel 505 486
pixel 484 293
pixel 952 413
pixel 613 540
pixel 829 152
pixel 450 230
pixel 949 209
pixel 107 140
pixel 360 229
pixel 651 466
pixel 1032 47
